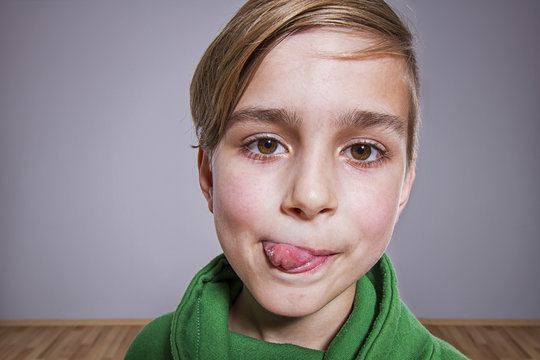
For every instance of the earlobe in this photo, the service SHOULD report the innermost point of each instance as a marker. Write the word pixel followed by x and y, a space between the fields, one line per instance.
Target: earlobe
pixel 205 177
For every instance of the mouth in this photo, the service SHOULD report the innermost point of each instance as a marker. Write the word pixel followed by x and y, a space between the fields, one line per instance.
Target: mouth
pixel 293 259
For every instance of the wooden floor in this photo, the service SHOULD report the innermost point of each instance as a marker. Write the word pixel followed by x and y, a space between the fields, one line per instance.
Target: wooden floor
pixel 492 342
pixel 66 342
pixel 111 341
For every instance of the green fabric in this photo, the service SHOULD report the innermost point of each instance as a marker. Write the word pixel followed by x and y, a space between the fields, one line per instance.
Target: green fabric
pixel 379 327
pixel 153 341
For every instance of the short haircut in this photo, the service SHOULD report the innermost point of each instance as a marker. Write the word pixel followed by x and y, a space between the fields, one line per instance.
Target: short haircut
pixel 232 59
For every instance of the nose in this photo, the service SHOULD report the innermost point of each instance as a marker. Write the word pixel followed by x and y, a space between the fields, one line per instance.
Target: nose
pixel 311 190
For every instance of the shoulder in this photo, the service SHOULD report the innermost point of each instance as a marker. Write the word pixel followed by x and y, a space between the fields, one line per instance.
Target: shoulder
pixel 420 342
pixel 153 341
pixel 407 337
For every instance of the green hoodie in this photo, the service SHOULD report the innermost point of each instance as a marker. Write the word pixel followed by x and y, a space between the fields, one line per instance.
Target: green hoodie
pixel 379 327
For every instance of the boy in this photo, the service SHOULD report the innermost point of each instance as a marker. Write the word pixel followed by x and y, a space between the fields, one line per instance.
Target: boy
pixel 307 114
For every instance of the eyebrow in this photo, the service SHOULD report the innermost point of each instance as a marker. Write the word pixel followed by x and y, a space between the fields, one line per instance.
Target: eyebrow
pixel 370 119
pixel 284 116
pixel 349 119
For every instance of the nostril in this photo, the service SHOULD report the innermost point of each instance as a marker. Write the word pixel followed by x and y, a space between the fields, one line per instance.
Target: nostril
pixel 298 211
pixel 305 214
pixel 325 210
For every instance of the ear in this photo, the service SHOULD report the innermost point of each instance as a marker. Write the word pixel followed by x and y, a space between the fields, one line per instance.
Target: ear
pixel 407 185
pixel 205 177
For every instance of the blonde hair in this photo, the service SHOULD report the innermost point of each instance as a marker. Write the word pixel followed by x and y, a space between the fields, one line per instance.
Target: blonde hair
pixel 230 61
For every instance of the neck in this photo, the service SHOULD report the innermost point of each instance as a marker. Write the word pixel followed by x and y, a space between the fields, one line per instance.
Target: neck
pixel 314 331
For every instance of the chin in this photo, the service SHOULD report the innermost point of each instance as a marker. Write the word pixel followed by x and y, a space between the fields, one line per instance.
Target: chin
pixel 297 310
pixel 294 303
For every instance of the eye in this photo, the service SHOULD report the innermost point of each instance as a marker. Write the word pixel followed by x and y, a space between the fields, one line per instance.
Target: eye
pixel 363 152
pixel 266 146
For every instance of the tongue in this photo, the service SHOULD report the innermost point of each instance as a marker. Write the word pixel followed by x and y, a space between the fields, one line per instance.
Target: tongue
pixel 286 256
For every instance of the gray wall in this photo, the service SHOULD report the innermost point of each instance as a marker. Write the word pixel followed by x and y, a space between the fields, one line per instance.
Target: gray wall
pixel 100 211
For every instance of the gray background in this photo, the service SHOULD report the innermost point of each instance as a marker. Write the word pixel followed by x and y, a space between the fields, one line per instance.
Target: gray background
pixel 100 211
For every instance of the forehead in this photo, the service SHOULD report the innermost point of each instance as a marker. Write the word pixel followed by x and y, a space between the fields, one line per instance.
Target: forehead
pixel 321 73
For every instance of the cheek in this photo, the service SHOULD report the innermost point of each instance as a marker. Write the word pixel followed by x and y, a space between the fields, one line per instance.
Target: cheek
pixel 241 198
pixel 374 208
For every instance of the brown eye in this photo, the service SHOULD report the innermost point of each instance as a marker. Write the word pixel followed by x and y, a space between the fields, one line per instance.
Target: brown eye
pixel 267 146
pixel 361 151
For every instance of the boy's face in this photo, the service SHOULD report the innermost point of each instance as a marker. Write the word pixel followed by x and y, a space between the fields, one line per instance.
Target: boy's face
pixel 310 177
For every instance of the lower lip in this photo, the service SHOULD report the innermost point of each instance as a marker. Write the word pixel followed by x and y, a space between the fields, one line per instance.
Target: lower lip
pixel 280 254
pixel 309 266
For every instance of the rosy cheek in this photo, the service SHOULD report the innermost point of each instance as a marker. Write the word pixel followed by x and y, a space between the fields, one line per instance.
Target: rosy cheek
pixel 375 209
pixel 239 197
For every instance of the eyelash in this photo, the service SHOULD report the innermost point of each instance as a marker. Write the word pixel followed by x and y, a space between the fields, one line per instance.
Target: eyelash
pixel 247 148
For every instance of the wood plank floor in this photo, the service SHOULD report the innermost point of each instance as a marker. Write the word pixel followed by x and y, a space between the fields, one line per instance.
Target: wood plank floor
pixel 111 341
pixel 66 342
pixel 492 342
